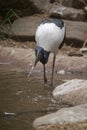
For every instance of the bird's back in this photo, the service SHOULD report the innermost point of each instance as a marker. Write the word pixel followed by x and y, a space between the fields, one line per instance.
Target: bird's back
pixel 50 34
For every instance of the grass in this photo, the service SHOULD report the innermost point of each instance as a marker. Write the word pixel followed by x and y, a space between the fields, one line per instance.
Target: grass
pixel 7 20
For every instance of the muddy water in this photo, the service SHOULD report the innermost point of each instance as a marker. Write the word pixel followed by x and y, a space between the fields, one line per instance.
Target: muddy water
pixel 22 101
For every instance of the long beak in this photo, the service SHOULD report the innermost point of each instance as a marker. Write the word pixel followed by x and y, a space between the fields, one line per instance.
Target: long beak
pixel 31 70
pixel 36 61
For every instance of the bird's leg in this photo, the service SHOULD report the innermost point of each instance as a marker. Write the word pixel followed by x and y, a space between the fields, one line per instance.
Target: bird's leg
pixel 45 79
pixel 53 70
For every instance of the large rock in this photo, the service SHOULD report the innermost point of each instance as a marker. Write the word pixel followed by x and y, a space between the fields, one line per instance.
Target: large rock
pixel 76 32
pixel 79 3
pixel 74 118
pixel 42 5
pixel 67 13
pixel 72 92
pixel 24 7
pixel 76 4
pixel 25 27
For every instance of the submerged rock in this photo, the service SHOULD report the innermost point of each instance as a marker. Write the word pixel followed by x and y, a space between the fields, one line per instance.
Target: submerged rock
pixel 74 118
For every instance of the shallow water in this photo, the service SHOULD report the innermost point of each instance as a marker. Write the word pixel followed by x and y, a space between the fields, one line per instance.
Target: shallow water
pixel 21 102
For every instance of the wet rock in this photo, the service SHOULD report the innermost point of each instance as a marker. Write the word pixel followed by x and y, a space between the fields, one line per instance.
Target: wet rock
pixel 72 92
pixel 74 118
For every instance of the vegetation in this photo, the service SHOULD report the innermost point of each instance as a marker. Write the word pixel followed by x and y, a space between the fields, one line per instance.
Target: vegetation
pixel 9 17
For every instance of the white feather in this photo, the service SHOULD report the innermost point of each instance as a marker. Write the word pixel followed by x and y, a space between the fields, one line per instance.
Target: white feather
pixel 49 36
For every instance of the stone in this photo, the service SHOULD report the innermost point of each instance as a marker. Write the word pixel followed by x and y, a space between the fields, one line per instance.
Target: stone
pixel 73 92
pixel 75 33
pixel 24 57
pixel 83 50
pixel 67 13
pixel 41 5
pixel 24 28
pixel 75 4
pixel 62 72
pixel 73 118
pixel 72 64
pixel 24 7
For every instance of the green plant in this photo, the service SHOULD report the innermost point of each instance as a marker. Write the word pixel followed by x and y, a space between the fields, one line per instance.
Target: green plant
pixel 9 15
pixel 7 19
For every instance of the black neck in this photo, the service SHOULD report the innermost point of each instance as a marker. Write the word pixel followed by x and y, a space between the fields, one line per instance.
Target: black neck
pixel 44 60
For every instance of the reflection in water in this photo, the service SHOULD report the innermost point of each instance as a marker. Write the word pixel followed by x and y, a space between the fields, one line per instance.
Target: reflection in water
pixel 22 101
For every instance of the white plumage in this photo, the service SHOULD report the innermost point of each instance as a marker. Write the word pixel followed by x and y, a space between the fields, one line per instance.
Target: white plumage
pixel 49 36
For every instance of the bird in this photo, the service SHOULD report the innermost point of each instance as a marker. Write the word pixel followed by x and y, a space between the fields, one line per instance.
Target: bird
pixel 49 37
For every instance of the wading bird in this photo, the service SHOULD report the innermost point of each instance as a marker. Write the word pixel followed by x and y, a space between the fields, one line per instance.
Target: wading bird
pixel 49 38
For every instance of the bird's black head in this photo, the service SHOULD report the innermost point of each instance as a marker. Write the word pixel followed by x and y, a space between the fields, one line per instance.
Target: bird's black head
pixel 41 55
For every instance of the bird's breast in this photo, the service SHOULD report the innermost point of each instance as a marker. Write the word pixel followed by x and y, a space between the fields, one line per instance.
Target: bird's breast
pixel 49 36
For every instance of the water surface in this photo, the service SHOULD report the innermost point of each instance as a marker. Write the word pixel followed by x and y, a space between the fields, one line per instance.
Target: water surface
pixel 21 102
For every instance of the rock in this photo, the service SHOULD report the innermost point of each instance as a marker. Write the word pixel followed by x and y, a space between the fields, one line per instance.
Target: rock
pixel 72 92
pixel 76 33
pixel 83 50
pixel 75 4
pixel 72 64
pixel 24 57
pixel 41 5
pixel 67 3
pixel 85 9
pixel 17 57
pixel 24 28
pixel 73 118
pixel 62 72
pixel 24 7
pixel 79 3
pixel 67 13
pixel 74 53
